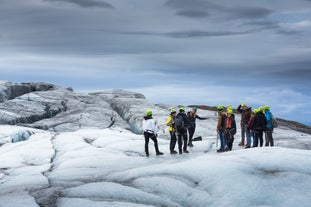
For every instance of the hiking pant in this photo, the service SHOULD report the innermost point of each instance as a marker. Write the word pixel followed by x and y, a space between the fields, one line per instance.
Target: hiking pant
pixel 182 139
pixel 153 137
pixel 191 131
pixel 250 134
pixel 243 132
pixel 173 141
pixel 269 138
pixel 258 137
pixel 223 141
pixel 229 139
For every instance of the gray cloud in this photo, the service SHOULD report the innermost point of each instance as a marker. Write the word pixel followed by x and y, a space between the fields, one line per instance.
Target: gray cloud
pixel 290 32
pixel 271 25
pixel 250 12
pixel 187 33
pixel 193 13
pixel 239 44
pixel 194 8
pixel 198 33
pixel 193 4
pixel 264 24
pixel 200 8
pixel 87 3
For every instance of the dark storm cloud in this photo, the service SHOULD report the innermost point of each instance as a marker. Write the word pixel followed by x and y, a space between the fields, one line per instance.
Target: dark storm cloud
pixel 86 3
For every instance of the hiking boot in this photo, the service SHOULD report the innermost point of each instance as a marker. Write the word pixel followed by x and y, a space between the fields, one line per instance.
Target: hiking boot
pixel 241 144
pixel 180 152
pixel 173 152
pixel 147 154
pixel 221 150
pixel 247 146
pixel 190 144
pixel 160 153
pixel 186 151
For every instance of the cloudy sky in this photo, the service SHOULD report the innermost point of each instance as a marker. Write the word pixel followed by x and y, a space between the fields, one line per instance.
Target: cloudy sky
pixel 174 51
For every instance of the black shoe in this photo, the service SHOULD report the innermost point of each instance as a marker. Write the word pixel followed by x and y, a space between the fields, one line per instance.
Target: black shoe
pixel 186 151
pixel 160 153
pixel 247 146
pixel 221 150
pixel 190 144
pixel 180 152
pixel 173 152
pixel 147 155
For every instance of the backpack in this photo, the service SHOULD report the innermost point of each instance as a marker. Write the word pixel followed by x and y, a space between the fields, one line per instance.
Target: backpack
pixel 274 122
pixel 179 121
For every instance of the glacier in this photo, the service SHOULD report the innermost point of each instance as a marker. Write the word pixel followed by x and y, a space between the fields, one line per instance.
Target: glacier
pixel 91 153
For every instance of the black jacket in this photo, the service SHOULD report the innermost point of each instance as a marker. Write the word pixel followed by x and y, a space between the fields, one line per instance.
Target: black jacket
pixel 245 114
pixel 185 119
pixel 260 122
pixel 232 129
pixel 148 117
pixel 193 118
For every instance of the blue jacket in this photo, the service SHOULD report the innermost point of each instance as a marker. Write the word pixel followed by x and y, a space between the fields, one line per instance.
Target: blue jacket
pixel 269 119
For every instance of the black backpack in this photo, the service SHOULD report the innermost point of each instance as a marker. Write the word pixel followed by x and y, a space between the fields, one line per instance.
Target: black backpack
pixel 179 121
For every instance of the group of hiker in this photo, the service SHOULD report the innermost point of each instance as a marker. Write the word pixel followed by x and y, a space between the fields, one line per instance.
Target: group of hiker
pixel 253 125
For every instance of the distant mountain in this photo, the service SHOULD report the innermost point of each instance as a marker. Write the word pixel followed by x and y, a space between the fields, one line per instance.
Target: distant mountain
pixel 50 107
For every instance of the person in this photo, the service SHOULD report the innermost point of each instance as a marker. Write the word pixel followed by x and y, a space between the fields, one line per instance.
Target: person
pixel 192 116
pixel 250 129
pixel 150 132
pixel 259 126
pixel 268 135
pixel 170 122
pixel 245 115
pixel 181 124
pixel 229 129
pixel 219 128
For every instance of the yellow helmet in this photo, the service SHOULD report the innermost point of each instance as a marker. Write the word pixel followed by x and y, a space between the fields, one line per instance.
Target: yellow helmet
pixel 220 107
pixel 149 113
pixel 230 111
pixel 229 107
